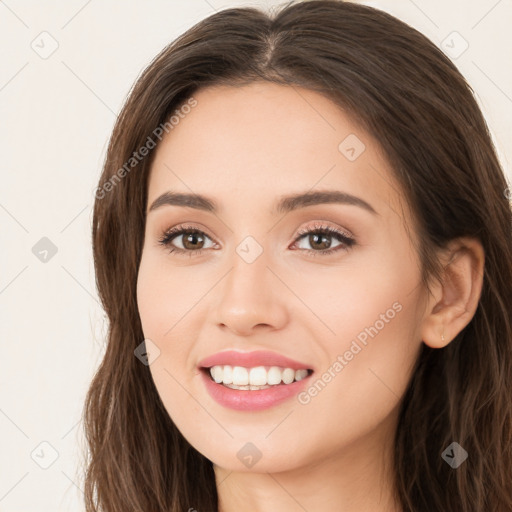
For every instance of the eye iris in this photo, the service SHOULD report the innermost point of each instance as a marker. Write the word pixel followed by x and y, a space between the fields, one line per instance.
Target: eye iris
pixel 324 243
pixel 190 237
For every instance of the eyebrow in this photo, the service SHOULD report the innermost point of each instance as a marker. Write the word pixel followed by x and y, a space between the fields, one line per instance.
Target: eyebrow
pixel 285 204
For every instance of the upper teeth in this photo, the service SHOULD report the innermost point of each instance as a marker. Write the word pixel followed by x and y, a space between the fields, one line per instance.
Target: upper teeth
pixel 257 376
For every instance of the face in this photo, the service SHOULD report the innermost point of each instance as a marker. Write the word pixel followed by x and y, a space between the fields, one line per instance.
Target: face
pixel 326 287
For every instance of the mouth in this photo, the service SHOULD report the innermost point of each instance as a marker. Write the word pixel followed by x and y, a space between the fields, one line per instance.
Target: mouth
pixel 254 378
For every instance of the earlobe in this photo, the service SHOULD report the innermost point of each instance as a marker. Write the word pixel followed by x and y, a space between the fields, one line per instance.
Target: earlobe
pixel 454 301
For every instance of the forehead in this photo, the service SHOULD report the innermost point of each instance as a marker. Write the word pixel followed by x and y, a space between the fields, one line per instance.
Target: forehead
pixel 273 140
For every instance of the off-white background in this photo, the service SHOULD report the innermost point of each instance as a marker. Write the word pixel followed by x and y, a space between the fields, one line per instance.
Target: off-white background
pixel 56 115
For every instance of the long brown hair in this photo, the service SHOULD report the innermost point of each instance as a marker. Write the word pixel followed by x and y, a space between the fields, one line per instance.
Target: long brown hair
pixel 406 93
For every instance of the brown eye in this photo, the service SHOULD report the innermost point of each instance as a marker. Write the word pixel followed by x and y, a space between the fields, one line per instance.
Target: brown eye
pixel 193 240
pixel 184 240
pixel 319 239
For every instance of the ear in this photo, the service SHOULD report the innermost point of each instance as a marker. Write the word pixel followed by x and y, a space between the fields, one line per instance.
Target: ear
pixel 453 301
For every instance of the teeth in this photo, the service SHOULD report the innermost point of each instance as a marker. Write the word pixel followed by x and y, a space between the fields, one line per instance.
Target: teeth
pixel 301 374
pixel 227 375
pixel 274 376
pixel 217 374
pixel 259 377
pixel 253 388
pixel 288 375
pixel 240 376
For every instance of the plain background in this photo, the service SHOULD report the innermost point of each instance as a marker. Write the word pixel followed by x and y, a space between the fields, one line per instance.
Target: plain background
pixel 56 115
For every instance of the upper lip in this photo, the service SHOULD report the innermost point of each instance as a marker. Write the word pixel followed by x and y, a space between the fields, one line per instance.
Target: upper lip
pixel 251 360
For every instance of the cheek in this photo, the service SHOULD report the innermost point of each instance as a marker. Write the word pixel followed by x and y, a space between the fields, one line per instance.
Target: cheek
pixel 164 294
pixel 149 299
pixel 160 310
pixel 168 300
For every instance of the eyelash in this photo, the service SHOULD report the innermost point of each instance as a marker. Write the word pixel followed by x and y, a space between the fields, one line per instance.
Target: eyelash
pixel 347 242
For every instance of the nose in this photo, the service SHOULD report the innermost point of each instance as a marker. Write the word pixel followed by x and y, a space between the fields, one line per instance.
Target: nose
pixel 251 298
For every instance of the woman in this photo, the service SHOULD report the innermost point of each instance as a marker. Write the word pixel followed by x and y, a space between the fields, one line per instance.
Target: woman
pixel 302 240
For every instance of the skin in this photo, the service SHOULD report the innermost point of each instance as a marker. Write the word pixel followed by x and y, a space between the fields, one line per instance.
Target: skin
pixel 245 147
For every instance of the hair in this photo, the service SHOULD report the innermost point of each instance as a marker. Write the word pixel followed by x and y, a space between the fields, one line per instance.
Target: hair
pixel 407 94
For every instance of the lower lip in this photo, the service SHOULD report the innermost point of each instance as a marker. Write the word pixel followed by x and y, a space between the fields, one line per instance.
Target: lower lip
pixel 246 400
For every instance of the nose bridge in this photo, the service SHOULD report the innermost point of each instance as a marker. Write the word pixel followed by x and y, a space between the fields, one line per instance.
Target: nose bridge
pixel 248 295
pixel 247 284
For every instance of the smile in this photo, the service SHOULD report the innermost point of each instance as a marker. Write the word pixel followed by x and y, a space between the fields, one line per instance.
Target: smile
pixel 254 397
pixel 255 378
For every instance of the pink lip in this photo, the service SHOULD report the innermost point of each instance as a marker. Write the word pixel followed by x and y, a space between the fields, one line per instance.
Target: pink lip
pixel 251 359
pixel 246 400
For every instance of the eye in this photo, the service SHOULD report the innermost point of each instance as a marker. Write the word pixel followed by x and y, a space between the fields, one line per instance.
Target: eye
pixel 318 236
pixel 191 243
